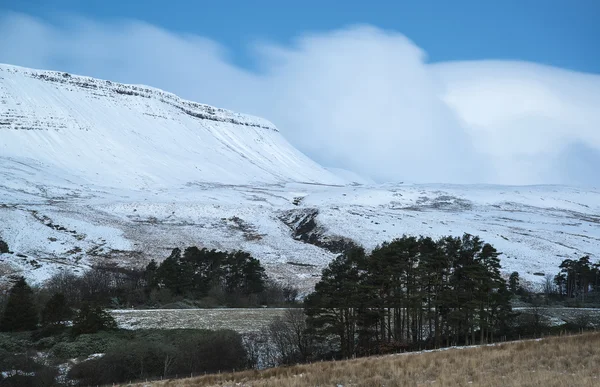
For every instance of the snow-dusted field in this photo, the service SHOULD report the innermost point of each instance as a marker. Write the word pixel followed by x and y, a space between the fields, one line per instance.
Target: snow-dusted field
pixel 254 319
pixel 535 227
pixel 239 320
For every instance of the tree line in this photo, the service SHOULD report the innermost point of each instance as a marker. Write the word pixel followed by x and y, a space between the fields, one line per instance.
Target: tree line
pixel 420 293
pixel 20 314
pixel 196 273
pixel 410 292
pixel 577 278
pixel 69 309
pixel 188 278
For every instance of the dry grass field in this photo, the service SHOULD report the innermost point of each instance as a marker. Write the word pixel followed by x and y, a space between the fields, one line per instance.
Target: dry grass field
pixel 558 361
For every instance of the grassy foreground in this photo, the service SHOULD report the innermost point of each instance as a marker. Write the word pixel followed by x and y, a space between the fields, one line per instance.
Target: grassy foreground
pixel 557 361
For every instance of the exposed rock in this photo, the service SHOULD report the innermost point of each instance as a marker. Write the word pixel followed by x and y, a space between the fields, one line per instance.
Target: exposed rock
pixel 305 228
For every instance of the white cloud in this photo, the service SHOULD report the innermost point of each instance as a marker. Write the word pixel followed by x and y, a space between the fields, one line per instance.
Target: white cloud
pixel 528 119
pixel 361 98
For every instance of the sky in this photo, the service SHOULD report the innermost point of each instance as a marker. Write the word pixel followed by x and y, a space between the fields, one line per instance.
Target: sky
pixel 502 92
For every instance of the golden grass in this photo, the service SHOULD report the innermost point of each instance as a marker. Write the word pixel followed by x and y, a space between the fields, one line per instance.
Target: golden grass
pixel 558 361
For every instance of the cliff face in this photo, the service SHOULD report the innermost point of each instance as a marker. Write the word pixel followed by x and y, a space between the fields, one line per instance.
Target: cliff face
pixel 101 89
pixel 116 134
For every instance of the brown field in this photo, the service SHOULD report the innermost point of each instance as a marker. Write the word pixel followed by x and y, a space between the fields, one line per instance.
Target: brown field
pixel 558 361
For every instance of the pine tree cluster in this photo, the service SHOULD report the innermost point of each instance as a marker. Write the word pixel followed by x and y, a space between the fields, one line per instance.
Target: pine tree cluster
pixel 577 277
pixel 20 313
pixel 409 292
pixel 195 272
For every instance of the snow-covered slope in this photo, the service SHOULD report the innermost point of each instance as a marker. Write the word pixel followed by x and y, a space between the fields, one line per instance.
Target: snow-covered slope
pixel 136 136
pixel 96 172
pixel 535 227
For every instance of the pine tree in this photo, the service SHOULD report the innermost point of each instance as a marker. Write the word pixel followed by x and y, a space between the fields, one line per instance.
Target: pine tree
pixel 168 274
pixel 150 277
pixel 56 311
pixel 576 277
pixel 560 280
pixel 20 313
pixel 514 282
pixel 91 319
pixel 595 277
pixel 334 308
pixel 490 283
pixel 436 269
pixel 243 274
pixel 393 274
pixel 202 269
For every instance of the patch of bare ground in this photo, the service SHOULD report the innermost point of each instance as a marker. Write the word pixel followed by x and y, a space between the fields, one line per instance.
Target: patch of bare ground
pixel 558 361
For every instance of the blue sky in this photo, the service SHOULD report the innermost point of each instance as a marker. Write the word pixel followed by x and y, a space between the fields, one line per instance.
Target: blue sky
pixel 503 92
pixel 554 32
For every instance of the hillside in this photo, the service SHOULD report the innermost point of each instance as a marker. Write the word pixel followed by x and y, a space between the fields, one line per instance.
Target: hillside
pixel 93 171
pixel 138 137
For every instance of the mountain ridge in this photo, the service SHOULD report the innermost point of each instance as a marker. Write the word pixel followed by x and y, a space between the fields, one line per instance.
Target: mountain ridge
pixel 145 91
pixel 95 127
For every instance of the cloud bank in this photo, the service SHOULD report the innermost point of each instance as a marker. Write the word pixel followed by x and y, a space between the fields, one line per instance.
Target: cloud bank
pixel 361 98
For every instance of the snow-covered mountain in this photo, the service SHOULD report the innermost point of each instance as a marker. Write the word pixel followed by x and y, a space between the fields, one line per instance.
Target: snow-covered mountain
pixel 93 171
pixel 136 136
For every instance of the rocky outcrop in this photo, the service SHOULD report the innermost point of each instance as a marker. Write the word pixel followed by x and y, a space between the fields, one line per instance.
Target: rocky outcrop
pixel 305 228
pixel 105 88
